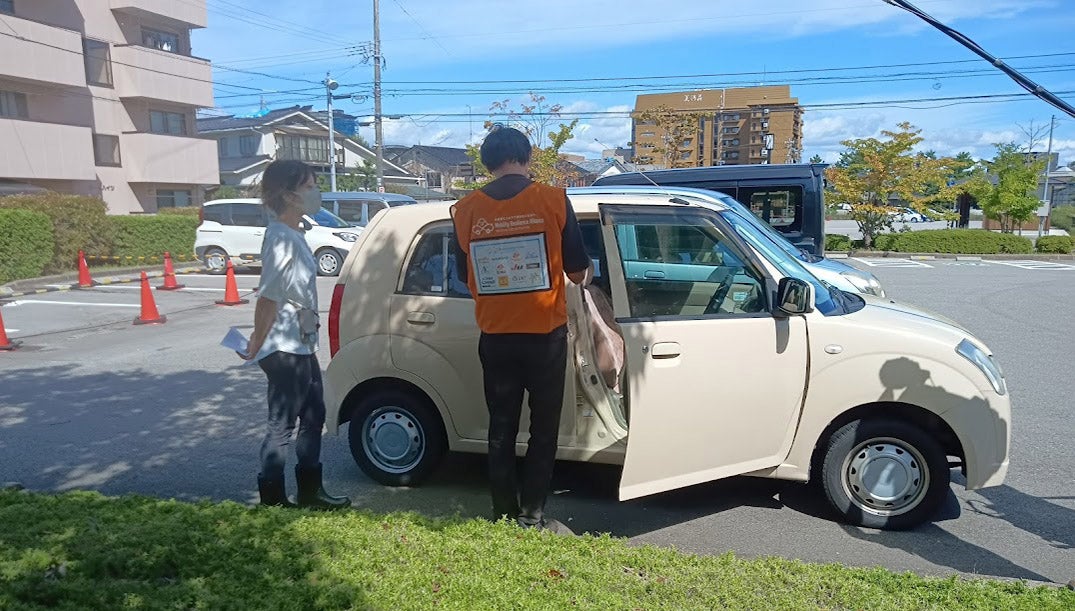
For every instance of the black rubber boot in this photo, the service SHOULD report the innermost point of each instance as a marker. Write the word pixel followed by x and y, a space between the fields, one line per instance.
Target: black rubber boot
pixel 273 492
pixel 311 492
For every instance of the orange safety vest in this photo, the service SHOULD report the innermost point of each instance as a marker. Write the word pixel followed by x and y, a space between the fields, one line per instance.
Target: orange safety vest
pixel 515 258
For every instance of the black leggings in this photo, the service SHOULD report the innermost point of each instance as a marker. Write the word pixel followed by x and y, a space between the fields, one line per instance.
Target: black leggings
pixel 511 364
pixel 295 391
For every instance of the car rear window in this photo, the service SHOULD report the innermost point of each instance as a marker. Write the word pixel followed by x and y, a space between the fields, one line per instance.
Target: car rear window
pixel 218 213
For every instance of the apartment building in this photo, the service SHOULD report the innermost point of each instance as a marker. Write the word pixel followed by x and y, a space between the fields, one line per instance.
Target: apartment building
pixel 737 126
pixel 98 97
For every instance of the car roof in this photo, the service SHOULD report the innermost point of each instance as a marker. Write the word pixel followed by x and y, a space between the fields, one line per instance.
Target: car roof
pixel 388 197
pixel 235 200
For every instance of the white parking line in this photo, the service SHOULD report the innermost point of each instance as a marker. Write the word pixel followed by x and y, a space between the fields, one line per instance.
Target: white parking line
pixel 1030 264
pixel 22 302
pixel 886 262
pixel 182 290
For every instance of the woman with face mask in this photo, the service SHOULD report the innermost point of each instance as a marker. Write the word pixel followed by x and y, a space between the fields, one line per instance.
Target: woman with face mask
pixel 284 340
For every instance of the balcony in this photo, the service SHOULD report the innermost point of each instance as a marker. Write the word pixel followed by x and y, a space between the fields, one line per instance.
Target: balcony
pixel 156 158
pixel 141 72
pixel 45 151
pixel 189 12
pixel 41 53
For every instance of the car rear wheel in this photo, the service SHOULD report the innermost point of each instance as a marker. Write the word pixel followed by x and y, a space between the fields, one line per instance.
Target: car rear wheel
pixel 884 473
pixel 396 438
pixel 328 262
pixel 216 260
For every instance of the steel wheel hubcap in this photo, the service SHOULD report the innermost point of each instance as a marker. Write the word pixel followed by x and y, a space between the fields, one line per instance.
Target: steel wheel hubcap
pixel 885 476
pixel 328 263
pixel 393 439
pixel 215 261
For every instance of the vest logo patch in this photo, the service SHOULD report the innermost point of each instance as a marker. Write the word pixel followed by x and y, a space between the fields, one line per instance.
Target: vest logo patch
pixel 482 227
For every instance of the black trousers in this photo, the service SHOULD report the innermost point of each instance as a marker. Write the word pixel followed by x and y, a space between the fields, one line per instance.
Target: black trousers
pixel 295 393
pixel 511 364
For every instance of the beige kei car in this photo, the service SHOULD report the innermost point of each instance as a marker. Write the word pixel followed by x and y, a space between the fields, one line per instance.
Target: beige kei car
pixel 700 351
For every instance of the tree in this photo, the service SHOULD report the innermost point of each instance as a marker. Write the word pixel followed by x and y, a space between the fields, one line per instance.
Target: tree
pixel 1007 190
pixel 534 118
pixel 363 178
pixel 872 170
pixel 817 159
pixel 676 131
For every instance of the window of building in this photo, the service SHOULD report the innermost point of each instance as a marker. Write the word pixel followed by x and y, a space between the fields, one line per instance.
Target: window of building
pixel 7 6
pixel 162 122
pixel 731 130
pixel 433 180
pixel 172 198
pixel 647 134
pixel 13 105
pixel 106 149
pixel 685 155
pixel 732 142
pixel 432 262
pixel 304 148
pixel 730 116
pixel 98 62
pixel 754 126
pixel 222 148
pixel 731 154
pixel 248 146
pixel 686 142
pixel 162 41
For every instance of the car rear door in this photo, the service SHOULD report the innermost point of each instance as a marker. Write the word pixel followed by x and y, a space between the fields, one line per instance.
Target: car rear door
pixel 711 393
pixel 247 231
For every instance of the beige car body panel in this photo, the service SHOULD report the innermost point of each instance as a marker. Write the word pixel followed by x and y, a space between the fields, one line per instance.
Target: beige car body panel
pixel 689 380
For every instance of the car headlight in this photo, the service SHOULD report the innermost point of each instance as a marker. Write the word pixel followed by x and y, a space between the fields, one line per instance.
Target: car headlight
pixel 970 351
pixel 865 283
pixel 346 236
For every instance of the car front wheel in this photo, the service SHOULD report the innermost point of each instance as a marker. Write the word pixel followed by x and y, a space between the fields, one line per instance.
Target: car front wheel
pixel 328 262
pixel 884 473
pixel 396 438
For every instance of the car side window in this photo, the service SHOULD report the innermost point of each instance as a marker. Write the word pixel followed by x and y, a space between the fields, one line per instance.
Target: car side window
pixel 218 213
pixel 433 260
pixel 781 207
pixel 682 265
pixel 248 215
pixel 594 243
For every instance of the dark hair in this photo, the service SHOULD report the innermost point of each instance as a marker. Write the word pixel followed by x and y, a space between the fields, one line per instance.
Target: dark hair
pixel 504 144
pixel 280 181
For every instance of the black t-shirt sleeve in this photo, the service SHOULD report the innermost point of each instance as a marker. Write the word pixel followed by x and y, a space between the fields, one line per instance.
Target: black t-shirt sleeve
pixel 574 251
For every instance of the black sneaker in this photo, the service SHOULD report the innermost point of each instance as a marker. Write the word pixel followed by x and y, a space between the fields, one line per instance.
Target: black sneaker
pixel 552 525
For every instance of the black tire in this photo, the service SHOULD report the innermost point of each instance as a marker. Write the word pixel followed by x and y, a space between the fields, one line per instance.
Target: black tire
pixel 916 474
pixel 329 262
pixel 211 256
pixel 396 437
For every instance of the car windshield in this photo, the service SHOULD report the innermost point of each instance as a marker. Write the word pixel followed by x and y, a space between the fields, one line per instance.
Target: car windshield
pixel 827 299
pixel 325 218
pixel 767 229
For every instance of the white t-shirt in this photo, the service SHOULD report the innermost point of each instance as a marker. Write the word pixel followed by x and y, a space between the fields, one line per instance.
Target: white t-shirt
pixel 288 277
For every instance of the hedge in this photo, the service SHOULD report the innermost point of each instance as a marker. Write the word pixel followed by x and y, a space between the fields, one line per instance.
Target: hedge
pixel 79 222
pixel 1055 244
pixel 837 241
pixel 26 244
pixel 184 211
pixel 955 241
pixel 1063 217
pixel 144 236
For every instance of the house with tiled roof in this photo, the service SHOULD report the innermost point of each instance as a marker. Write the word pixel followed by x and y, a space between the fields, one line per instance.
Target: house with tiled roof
pixel 585 172
pixel 441 168
pixel 246 144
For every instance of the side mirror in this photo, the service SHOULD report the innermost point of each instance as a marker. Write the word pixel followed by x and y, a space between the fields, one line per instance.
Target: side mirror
pixel 794 296
pixel 305 224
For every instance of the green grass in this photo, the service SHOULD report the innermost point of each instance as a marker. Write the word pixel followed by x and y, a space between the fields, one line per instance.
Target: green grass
pixel 82 550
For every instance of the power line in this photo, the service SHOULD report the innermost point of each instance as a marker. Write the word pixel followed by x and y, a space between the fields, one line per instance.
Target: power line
pixel 421 27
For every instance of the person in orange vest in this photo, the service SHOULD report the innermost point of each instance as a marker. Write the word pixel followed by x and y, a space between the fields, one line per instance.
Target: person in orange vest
pixel 516 241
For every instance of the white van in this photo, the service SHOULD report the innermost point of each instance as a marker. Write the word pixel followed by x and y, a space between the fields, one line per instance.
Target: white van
pixel 358 207
pixel 234 229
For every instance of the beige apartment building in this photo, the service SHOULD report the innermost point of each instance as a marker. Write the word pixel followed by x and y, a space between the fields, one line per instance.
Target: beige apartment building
pixel 738 126
pixel 98 97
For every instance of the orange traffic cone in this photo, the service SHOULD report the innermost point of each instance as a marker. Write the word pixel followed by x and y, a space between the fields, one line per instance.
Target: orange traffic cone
pixel 169 275
pixel 84 280
pixel 231 290
pixel 6 345
pixel 149 315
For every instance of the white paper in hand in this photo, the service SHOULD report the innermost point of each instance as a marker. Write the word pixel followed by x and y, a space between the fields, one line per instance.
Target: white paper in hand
pixel 235 340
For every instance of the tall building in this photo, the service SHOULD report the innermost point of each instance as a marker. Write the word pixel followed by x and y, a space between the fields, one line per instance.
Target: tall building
pixel 737 126
pixel 98 97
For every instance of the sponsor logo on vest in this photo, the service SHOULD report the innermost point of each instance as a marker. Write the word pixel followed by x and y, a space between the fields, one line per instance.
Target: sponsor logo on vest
pixel 482 227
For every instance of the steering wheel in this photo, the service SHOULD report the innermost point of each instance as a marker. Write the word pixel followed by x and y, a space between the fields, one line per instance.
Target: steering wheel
pixel 727 278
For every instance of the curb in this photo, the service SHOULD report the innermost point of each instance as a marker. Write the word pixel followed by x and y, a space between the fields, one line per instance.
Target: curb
pixel 926 256
pixel 6 292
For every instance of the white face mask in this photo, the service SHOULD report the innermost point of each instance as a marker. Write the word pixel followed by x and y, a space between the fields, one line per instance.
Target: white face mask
pixel 311 201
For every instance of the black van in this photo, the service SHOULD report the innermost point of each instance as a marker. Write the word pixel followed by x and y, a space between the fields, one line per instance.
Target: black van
pixel 789 197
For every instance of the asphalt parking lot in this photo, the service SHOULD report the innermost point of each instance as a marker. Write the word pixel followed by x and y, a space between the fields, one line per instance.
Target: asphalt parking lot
pixel 94 402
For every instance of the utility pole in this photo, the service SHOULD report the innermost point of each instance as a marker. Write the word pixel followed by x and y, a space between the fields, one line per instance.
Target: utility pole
pixel 330 86
pixel 1046 206
pixel 378 132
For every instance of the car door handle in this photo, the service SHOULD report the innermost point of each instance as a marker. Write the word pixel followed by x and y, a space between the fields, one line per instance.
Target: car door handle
pixel 421 318
pixel 651 273
pixel 665 350
pixel 259 234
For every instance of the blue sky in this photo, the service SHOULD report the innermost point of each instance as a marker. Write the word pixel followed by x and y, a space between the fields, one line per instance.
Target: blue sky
pixel 437 53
